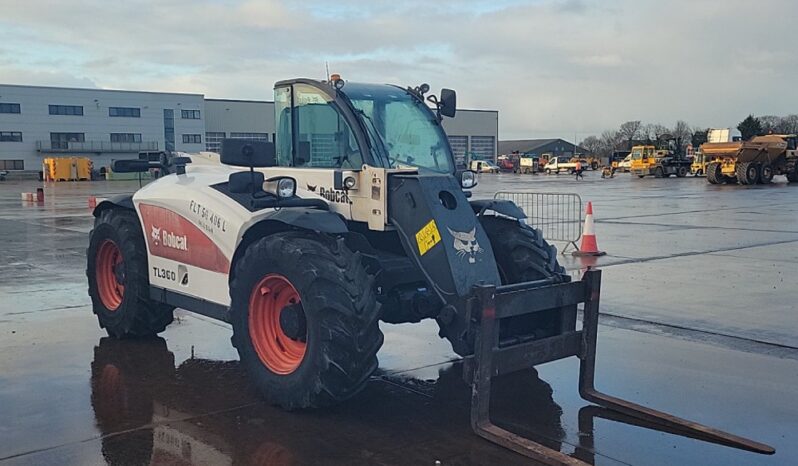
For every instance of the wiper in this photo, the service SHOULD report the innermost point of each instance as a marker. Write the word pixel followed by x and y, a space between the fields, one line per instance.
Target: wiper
pixel 372 128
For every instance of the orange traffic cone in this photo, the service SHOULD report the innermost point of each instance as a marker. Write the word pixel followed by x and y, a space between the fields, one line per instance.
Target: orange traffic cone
pixel 589 247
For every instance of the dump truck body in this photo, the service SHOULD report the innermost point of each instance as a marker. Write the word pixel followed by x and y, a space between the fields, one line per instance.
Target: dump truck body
pixel 752 162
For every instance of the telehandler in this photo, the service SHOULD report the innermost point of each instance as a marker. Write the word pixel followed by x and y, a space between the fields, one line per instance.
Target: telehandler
pixel 355 214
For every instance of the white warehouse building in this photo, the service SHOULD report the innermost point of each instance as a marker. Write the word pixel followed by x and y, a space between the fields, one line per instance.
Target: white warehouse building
pixel 104 125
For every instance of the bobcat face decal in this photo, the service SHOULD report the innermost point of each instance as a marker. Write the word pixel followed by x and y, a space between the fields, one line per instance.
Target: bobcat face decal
pixel 465 243
pixel 156 234
pixel 311 188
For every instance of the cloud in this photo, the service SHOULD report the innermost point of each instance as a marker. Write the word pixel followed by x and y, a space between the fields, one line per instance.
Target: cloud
pixel 14 75
pixel 551 67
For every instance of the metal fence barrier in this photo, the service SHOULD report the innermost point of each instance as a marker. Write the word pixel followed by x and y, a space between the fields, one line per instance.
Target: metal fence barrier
pixel 558 215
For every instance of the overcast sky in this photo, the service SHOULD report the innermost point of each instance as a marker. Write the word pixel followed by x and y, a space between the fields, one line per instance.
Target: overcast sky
pixel 551 68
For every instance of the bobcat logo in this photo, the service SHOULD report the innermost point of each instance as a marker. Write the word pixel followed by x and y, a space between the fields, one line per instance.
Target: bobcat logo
pixel 156 235
pixel 465 243
pixel 311 188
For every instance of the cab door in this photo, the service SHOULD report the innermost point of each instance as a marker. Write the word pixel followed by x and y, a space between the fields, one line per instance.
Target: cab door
pixel 312 131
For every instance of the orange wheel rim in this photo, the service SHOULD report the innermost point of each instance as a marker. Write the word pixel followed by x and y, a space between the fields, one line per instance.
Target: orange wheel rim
pixel 279 352
pixel 110 273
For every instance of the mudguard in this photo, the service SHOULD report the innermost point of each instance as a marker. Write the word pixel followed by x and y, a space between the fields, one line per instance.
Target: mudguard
pixel 308 218
pixel 120 200
pixel 500 206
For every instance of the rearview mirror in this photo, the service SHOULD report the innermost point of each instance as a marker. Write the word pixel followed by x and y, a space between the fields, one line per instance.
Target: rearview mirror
pixel 448 103
pixel 246 153
pixel 468 179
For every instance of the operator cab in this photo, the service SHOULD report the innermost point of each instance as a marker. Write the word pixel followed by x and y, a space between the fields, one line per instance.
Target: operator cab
pixel 345 125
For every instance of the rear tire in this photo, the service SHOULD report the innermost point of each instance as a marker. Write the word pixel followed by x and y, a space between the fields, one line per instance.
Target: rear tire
pixel 118 277
pixel 681 172
pixel 747 173
pixel 714 173
pixel 522 255
pixel 338 312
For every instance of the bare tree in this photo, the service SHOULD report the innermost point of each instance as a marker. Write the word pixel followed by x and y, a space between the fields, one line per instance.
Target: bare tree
pixel 682 135
pixel 630 131
pixel 652 132
pixel 789 124
pixel 610 141
pixel 592 144
pixel 770 123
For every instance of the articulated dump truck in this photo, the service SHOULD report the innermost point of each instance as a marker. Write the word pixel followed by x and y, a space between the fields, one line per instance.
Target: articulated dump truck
pixel 752 162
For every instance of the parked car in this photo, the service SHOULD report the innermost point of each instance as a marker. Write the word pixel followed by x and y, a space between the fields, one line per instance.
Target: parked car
pixel 505 163
pixel 484 166
pixel 558 164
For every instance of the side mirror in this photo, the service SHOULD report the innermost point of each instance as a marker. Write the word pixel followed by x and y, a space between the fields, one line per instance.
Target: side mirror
pixel 448 103
pixel 468 179
pixel 245 153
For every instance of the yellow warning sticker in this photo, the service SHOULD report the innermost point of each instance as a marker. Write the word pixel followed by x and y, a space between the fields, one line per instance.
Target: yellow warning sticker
pixel 427 237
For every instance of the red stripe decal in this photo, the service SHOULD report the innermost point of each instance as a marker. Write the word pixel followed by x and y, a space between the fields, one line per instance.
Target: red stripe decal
pixel 174 237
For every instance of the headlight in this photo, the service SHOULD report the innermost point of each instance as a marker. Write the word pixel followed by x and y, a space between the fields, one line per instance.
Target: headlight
pixel 350 182
pixel 286 187
pixel 281 186
pixel 468 179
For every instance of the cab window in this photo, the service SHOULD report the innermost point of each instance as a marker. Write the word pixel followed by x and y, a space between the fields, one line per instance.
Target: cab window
pixel 323 137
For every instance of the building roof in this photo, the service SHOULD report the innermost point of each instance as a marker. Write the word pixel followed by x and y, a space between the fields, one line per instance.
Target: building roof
pixel 99 89
pixel 245 101
pixel 525 145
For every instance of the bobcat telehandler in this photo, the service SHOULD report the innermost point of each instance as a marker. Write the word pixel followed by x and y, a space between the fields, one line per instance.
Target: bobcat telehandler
pixel 355 214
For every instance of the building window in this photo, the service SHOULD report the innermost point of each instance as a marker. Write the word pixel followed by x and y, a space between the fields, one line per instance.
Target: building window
pixel 192 139
pixel 125 137
pixel 62 140
pixel 10 136
pixel 190 114
pixel 250 136
pixel 169 129
pixel 483 147
pixel 66 110
pixel 12 165
pixel 9 108
pixel 131 112
pixel 213 141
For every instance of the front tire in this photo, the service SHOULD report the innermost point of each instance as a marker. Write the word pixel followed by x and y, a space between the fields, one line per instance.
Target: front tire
pixel 522 255
pixel 305 319
pixel 766 174
pixel 118 274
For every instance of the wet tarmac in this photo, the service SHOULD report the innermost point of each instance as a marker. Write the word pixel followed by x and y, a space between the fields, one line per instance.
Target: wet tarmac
pixel 698 292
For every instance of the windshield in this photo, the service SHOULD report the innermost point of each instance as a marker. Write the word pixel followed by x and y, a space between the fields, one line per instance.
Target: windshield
pixel 403 130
